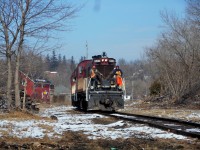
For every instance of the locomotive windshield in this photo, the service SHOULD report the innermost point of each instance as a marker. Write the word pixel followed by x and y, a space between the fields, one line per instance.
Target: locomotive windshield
pixel 105 70
pixel 104 65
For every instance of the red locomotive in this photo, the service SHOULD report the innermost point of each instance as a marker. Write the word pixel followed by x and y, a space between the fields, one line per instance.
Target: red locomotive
pixel 37 90
pixel 106 95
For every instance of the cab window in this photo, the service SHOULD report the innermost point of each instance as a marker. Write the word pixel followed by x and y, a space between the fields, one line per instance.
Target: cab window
pixel 38 85
pixel 80 69
pixel 46 85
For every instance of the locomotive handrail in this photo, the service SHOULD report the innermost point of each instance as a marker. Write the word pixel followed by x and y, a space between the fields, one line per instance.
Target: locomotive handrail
pixel 89 82
pixel 123 83
pixel 87 86
pixel 124 89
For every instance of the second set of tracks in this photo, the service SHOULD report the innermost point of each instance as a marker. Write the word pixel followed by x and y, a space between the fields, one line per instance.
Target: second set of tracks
pixel 176 126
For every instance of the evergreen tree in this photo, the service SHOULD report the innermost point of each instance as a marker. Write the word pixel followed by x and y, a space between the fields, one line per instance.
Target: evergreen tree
pixel 47 61
pixel 59 59
pixel 54 62
pixel 64 61
pixel 72 63
pixel 82 58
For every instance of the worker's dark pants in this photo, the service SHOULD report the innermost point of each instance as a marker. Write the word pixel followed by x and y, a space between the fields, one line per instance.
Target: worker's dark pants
pixel 94 81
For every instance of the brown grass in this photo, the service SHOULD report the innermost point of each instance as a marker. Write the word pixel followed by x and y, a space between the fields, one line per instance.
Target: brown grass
pixel 146 109
pixel 4 133
pixel 104 120
pixel 46 127
pixel 21 115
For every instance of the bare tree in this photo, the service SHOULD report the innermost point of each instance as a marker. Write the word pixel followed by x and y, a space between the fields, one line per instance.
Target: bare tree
pixel 176 56
pixel 3 71
pixel 193 11
pixel 33 64
pixel 8 38
pixel 29 19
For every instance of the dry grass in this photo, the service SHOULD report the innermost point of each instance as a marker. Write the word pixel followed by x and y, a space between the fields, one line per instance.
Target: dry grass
pixel 19 115
pixel 4 133
pixel 104 120
pixel 22 115
pixel 142 108
pixel 46 127
pixel 158 112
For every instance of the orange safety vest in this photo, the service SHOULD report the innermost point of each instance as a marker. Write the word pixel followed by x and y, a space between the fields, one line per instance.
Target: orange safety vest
pixel 119 78
pixel 92 74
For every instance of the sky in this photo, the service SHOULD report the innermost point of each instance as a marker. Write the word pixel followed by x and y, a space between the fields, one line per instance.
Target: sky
pixel 121 28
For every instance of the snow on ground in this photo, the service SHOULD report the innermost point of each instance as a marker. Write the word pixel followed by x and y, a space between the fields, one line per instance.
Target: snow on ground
pixel 78 122
pixel 194 115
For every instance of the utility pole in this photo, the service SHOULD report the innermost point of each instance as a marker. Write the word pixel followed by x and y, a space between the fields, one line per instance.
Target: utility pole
pixel 86 50
pixel 132 89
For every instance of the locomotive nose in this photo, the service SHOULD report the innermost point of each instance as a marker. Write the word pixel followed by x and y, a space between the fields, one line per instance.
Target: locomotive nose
pixel 105 84
pixel 108 102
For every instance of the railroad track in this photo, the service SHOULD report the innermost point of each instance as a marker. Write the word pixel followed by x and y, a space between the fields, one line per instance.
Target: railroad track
pixel 180 127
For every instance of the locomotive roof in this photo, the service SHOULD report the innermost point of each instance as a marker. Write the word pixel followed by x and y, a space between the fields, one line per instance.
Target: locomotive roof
pixel 36 80
pixel 84 62
pixel 87 63
pixel 41 81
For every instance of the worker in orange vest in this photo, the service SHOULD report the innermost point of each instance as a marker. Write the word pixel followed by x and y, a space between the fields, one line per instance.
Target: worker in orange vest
pixel 118 76
pixel 94 75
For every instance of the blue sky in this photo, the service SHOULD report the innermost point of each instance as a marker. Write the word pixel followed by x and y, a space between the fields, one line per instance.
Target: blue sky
pixel 122 28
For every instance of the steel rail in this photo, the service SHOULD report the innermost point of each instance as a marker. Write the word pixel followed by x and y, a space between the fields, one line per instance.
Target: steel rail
pixel 171 125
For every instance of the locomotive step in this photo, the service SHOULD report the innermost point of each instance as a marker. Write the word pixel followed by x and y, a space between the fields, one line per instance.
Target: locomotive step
pixel 106 92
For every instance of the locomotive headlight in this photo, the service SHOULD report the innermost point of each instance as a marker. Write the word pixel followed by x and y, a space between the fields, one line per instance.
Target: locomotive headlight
pixel 106 60
pixel 111 60
pixel 96 61
pixel 102 60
